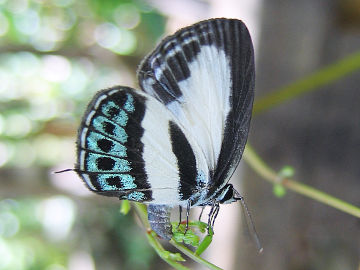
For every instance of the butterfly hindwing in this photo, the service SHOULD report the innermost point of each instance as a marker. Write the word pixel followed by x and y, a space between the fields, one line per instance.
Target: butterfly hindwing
pixel 204 75
pixel 109 145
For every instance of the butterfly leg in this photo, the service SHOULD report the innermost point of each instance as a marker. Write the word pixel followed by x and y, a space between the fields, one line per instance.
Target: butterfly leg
pixel 202 210
pixel 209 218
pixel 180 211
pixel 212 216
pixel 187 215
pixel 216 212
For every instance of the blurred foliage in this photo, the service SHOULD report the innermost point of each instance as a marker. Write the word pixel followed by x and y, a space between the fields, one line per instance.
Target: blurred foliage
pixel 52 234
pixel 54 55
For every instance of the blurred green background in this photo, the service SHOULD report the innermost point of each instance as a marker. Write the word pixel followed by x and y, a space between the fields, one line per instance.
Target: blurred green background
pixel 54 55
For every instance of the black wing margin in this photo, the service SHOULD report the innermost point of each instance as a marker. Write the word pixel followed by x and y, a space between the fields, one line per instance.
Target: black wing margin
pixel 238 46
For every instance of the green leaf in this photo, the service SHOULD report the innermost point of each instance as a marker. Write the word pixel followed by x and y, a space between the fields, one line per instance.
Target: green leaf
pixel 190 238
pixel 125 207
pixel 204 244
pixel 279 190
pixel 286 172
pixel 172 256
pixel 176 257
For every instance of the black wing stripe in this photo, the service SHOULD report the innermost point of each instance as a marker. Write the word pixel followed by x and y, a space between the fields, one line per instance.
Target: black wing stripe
pixel 185 159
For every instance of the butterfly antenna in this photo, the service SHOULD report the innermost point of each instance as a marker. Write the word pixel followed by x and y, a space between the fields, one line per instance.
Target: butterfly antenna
pixel 250 224
pixel 66 170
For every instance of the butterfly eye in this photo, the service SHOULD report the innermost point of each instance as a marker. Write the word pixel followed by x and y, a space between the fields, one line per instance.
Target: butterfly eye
pixel 227 195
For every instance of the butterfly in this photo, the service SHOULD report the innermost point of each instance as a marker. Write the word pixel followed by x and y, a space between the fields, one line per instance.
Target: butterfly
pixel 178 140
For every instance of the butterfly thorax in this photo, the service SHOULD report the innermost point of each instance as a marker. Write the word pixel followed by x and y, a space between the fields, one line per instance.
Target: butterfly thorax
pixel 210 195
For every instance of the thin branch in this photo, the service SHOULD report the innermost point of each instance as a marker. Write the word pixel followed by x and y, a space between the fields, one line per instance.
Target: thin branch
pixel 161 251
pixel 310 83
pixel 153 241
pixel 259 166
pixel 193 256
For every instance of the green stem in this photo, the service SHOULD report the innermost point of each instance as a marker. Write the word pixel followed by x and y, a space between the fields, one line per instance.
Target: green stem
pixel 312 82
pixel 142 213
pixel 161 252
pixel 258 165
pixel 193 256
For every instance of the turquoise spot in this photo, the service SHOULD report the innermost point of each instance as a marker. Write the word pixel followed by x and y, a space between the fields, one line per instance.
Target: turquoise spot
pixel 116 132
pixel 129 104
pixel 91 163
pixel 127 182
pixel 109 108
pixel 117 148
pixel 104 184
pixel 115 113
pixel 120 165
pixel 122 118
pixel 136 196
pixel 92 141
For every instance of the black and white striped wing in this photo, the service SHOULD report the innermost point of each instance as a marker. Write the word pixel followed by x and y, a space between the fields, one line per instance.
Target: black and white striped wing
pixel 204 75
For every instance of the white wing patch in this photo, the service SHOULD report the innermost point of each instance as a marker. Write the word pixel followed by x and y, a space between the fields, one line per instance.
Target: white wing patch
pixel 160 161
pixel 205 104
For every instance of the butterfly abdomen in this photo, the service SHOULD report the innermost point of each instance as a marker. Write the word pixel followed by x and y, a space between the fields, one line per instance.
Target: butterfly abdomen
pixel 159 220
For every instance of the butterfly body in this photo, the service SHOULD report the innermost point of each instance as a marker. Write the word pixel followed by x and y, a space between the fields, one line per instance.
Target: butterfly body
pixel 178 141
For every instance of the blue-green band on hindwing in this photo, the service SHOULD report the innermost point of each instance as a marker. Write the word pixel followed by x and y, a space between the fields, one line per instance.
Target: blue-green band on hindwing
pixel 109 145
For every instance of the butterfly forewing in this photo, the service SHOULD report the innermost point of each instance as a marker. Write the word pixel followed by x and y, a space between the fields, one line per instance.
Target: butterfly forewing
pixel 204 75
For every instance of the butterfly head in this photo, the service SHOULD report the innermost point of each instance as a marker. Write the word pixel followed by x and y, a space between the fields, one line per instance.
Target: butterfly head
pixel 228 195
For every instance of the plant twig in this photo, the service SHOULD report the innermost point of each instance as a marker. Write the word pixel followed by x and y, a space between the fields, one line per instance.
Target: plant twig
pixel 161 252
pixel 312 82
pixel 154 242
pixel 193 256
pixel 259 166
pixel 142 213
